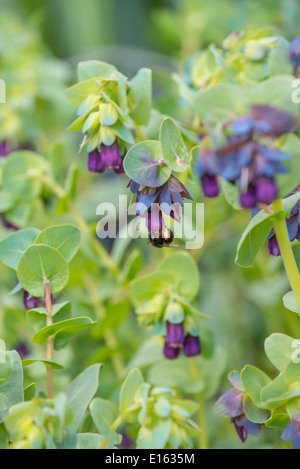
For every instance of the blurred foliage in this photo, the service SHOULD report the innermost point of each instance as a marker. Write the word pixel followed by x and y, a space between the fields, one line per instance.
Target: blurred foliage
pixel 245 305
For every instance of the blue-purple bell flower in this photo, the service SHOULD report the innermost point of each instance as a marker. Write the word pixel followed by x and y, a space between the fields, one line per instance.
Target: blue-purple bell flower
pixel 230 404
pixel 175 334
pixel 168 197
pixel 171 352
pixel 191 346
pixel 292 432
pixel 5 148
pixel 108 157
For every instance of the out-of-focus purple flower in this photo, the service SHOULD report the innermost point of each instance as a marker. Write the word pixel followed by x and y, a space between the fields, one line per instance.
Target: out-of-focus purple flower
pixel 7 224
pixel 5 148
pixel 292 432
pixel 264 120
pixel 108 157
pixel 126 442
pixel 22 350
pixel 254 166
pixel 171 352
pixel 175 334
pixel 191 346
pixel 30 302
pixel 230 405
pixel 210 186
pixel 294 53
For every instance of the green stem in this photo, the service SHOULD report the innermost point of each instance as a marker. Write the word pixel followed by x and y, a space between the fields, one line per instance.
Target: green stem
pixel 286 251
pixel 50 348
pixel 109 336
pixel 98 248
pixel 119 420
pixel 203 438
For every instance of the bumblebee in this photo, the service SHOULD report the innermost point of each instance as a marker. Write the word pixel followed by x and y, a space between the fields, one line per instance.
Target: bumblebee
pixel 164 239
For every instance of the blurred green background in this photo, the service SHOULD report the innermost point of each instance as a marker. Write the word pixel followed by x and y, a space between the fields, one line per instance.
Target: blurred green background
pixel 245 305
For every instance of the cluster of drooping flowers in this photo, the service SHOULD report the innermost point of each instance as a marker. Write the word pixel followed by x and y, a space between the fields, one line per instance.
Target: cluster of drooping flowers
pixel 152 201
pixel 248 158
pixel 231 405
pixel 177 340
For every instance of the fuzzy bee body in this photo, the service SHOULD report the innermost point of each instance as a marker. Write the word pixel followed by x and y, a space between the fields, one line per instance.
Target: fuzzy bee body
pixel 164 239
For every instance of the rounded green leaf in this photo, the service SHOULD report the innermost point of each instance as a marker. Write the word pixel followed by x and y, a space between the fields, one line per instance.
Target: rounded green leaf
pixel 20 174
pixel 174 150
pixel 144 164
pixel 41 264
pixel 64 238
pixel 13 246
pixel 187 279
pixel 62 331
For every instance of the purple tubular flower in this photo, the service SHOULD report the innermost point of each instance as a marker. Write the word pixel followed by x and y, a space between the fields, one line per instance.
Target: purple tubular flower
pixel 210 186
pixel 108 157
pixel 22 350
pixel 294 53
pixel 5 148
pixel 292 432
pixel 175 334
pixel 273 247
pixel 171 352
pixel 248 198
pixel 169 197
pixel 191 346
pixel 230 405
pixel 266 190
pixel 154 219
pixel 95 164
pixel 30 302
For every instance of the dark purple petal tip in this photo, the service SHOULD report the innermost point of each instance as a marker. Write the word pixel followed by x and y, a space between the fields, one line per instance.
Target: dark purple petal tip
pixel 191 346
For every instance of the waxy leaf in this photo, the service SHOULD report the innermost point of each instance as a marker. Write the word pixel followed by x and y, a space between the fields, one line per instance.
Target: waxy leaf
pixel 129 389
pixel 103 415
pixel 187 280
pixel 290 302
pixel 254 380
pixel 64 238
pixel 93 68
pixel 81 391
pixel 140 96
pixel 144 164
pixel 174 150
pixel 41 264
pixel 62 331
pixel 254 413
pixel 279 350
pixel 45 361
pixel 13 246
pixel 11 391
pixel 20 174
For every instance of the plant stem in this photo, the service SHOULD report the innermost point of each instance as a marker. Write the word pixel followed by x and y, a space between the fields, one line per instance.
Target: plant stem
pixel 119 420
pixel 203 438
pixel 286 251
pixel 108 335
pixel 81 223
pixel 50 349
